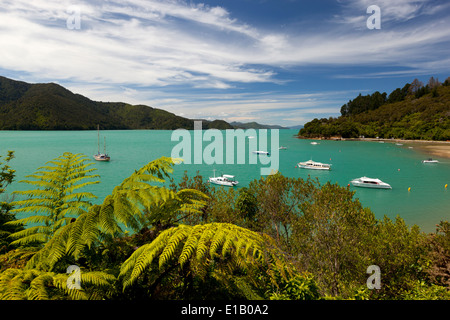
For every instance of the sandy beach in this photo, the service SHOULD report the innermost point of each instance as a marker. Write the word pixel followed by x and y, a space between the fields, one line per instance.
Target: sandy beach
pixel 433 149
pixel 427 147
pixel 430 148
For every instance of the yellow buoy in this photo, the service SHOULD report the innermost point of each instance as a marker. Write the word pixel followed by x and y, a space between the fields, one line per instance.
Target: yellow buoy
pixel 409 189
pixel 445 186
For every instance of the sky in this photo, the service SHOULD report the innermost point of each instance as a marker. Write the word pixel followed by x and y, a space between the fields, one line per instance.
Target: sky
pixel 281 62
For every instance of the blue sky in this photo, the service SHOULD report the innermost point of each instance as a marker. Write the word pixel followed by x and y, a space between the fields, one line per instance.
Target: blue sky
pixel 271 61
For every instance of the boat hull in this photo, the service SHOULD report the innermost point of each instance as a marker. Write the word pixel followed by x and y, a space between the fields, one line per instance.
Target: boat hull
pixel 370 185
pixel 101 157
pixel 313 168
pixel 223 183
pixel 312 165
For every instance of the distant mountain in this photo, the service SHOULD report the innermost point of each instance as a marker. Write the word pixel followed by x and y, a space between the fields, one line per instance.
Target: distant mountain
pixel 412 112
pixel 300 126
pixel 49 106
pixel 254 125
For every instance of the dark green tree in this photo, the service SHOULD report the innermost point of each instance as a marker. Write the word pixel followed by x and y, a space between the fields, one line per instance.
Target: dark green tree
pixel 7 175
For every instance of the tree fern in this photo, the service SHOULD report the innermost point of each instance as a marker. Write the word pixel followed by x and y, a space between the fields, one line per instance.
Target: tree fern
pixel 56 200
pixel 134 203
pixel 19 284
pixel 228 247
pixel 137 203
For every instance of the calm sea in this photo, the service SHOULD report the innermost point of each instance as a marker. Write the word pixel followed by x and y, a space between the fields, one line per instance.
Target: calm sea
pixel 425 204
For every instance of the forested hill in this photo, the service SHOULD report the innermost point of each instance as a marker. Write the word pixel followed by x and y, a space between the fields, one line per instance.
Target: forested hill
pixel 49 106
pixel 416 111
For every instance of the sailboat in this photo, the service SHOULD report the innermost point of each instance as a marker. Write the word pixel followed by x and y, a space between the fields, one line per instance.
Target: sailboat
pixel 101 156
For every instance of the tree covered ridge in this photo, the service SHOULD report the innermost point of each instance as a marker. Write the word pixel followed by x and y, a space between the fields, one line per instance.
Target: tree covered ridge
pixel 49 106
pixel 416 111
pixel 279 238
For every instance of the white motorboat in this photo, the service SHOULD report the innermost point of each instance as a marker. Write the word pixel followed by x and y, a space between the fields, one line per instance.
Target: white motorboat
pixel 224 180
pixel 430 161
pixel 310 164
pixel 261 152
pixel 370 183
pixel 314 143
pixel 282 148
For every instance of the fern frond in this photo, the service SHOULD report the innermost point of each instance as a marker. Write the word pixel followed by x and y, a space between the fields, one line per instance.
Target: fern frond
pixel 51 206
pixel 237 248
pixel 175 240
pixel 37 289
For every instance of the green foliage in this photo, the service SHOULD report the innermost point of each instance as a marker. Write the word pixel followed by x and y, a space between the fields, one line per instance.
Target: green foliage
pixel 423 291
pixel 399 252
pixel 438 255
pixel 55 201
pixel 19 284
pixel 332 238
pixel 48 106
pixel 7 175
pixel 137 204
pixel 364 103
pixel 211 252
pixel 278 238
pixel 413 112
pixel 300 287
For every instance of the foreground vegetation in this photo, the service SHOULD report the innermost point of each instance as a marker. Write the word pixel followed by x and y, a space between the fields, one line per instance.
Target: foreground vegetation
pixel 416 111
pixel 278 238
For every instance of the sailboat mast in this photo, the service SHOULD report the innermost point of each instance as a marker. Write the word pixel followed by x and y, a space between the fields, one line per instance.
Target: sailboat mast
pixel 98 139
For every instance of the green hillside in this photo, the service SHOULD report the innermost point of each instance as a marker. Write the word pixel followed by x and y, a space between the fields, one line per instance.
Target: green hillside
pixel 49 106
pixel 412 112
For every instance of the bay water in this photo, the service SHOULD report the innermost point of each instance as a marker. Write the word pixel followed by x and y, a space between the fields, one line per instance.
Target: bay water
pixel 425 204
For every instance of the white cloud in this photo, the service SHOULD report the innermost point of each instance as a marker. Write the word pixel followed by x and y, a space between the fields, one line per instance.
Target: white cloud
pixel 132 50
pixel 172 42
pixel 398 10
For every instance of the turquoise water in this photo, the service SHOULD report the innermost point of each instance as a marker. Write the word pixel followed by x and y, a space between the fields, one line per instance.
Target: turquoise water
pixel 426 204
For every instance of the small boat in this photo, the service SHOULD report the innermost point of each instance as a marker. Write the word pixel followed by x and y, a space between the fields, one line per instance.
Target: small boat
pixel 314 165
pixel 282 148
pixel 399 144
pixel 370 183
pixel 261 152
pixel 314 143
pixel 430 161
pixel 101 156
pixel 224 180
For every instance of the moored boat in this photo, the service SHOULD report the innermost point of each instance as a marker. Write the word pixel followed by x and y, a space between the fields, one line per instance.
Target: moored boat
pixel 366 182
pixel 429 160
pixel 310 164
pixel 101 156
pixel 224 180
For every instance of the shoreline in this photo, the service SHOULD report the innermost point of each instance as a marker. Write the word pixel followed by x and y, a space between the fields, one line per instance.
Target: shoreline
pixel 439 149
pixel 428 147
